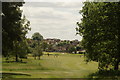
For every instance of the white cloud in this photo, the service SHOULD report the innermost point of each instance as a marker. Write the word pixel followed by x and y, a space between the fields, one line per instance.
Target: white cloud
pixel 55 4
pixel 53 22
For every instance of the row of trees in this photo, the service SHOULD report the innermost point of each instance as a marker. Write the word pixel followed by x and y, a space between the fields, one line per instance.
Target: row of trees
pixel 14 29
pixel 61 46
pixel 100 28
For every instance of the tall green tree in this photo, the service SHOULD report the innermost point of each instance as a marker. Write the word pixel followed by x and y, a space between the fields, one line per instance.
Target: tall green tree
pixel 14 27
pixel 38 40
pixel 100 30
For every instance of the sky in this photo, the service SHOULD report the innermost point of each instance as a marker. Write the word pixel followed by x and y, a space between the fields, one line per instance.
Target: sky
pixel 53 19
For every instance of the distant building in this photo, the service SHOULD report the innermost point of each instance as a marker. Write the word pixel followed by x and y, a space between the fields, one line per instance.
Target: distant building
pixel 52 41
pixel 81 51
pixel 57 45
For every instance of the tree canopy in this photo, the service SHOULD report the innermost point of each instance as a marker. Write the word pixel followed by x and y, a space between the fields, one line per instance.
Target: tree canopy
pixel 38 44
pixel 37 36
pixel 14 27
pixel 100 30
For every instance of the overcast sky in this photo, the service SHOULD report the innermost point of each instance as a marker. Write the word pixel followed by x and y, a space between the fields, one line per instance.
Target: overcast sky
pixel 53 19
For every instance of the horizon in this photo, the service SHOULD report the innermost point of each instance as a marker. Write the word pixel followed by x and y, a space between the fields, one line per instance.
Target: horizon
pixel 59 39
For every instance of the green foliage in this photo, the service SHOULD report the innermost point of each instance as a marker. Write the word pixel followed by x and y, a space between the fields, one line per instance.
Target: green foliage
pixel 37 51
pixel 100 30
pixel 103 75
pixel 23 49
pixel 78 48
pixel 37 36
pixel 72 49
pixel 14 28
pixel 45 46
pixel 38 45
pixel 50 47
pixel 63 43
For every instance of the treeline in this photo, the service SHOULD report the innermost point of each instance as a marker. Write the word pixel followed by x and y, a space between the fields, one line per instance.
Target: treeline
pixel 100 28
pixel 14 29
pixel 57 45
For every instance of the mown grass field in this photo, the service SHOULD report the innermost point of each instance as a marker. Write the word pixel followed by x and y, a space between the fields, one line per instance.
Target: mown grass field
pixel 63 66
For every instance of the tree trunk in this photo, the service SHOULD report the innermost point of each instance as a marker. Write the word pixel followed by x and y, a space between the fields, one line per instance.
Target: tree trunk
pixel 116 66
pixel 16 59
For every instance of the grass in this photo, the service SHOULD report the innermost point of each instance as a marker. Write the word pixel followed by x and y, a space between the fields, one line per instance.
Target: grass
pixel 63 66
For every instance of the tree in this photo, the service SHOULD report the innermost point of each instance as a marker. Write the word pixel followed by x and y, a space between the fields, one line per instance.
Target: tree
pixel 72 49
pixel 21 50
pixel 100 30
pixel 45 46
pixel 50 47
pixel 14 27
pixel 78 48
pixel 37 51
pixel 37 36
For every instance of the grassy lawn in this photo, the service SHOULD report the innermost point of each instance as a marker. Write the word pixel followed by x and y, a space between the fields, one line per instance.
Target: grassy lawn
pixel 63 66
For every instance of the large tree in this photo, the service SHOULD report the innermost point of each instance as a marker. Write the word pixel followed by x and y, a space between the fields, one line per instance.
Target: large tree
pixel 100 28
pixel 14 27
pixel 38 40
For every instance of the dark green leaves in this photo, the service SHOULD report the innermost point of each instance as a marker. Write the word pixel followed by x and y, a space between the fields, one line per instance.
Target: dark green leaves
pixel 99 28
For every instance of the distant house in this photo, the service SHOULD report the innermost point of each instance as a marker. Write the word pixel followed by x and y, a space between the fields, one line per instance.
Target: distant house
pixel 81 51
pixel 52 41
pixel 58 45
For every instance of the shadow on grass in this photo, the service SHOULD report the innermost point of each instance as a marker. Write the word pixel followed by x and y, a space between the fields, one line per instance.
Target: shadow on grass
pixel 10 75
pixel 105 75
pixel 13 62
